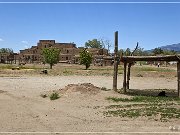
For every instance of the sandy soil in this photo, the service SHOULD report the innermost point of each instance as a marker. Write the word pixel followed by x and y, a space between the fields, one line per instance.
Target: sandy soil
pixel 22 109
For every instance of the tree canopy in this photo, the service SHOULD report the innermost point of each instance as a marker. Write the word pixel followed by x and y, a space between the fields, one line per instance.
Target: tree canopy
pixel 51 56
pixel 95 43
pixel 157 51
pixel 85 58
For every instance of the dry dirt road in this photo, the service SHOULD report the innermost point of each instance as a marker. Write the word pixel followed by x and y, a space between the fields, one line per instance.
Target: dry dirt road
pixel 22 109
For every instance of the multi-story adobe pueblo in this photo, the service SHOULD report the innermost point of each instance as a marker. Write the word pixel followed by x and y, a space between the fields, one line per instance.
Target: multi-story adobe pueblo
pixel 69 53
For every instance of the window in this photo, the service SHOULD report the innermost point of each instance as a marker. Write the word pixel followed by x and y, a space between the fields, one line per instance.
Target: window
pixel 66 58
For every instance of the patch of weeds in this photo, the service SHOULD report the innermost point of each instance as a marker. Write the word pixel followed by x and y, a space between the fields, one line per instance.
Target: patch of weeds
pixel 67 72
pixel 124 113
pixel 120 72
pixel 151 107
pixel 125 106
pixel 43 95
pixel 146 99
pixel 114 99
pixel 8 66
pixel 106 74
pixel 153 69
pixel 54 96
pixel 139 75
pixel 105 89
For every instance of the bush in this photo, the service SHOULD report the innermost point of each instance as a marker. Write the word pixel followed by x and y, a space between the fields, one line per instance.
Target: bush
pixel 54 96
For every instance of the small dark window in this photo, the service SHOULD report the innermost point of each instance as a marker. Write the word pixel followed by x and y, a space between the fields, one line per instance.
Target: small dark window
pixel 66 58
pixel 67 51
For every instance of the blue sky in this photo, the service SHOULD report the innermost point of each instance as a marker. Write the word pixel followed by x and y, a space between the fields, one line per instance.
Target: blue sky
pixel 152 25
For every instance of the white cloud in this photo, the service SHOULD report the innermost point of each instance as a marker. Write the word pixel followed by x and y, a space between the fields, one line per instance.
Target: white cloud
pixel 26 47
pixel 1 39
pixel 24 42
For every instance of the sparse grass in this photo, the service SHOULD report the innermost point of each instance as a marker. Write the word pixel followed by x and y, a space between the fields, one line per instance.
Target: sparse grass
pixel 145 106
pixel 105 89
pixel 146 99
pixel 75 69
pixel 145 68
pixel 67 72
pixel 54 96
pixel 6 66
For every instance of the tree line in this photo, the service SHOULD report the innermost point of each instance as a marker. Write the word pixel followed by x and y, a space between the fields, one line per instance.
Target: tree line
pixel 141 52
pixel 6 50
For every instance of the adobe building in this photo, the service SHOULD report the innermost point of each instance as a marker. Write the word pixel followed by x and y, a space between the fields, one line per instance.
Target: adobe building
pixel 34 54
pixel 69 53
pixel 8 58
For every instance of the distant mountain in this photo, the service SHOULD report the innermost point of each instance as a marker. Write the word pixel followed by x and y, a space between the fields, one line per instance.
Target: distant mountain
pixel 175 47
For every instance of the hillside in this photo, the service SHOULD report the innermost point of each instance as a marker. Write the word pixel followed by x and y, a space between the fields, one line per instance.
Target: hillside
pixel 175 47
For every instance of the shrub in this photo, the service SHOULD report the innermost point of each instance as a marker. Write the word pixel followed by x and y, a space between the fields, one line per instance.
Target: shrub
pixel 54 96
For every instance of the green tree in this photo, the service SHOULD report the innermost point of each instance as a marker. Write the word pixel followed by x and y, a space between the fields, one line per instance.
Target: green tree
pixel 51 56
pixel 157 51
pixel 94 44
pixel 139 51
pixel 127 52
pixel 85 58
pixel 121 52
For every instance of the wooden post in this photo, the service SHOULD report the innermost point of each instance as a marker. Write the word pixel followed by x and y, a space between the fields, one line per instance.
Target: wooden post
pixel 115 62
pixel 178 77
pixel 124 82
pixel 128 74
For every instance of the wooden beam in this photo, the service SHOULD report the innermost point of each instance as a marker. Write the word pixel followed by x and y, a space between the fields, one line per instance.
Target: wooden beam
pixel 130 59
pixel 124 82
pixel 115 62
pixel 178 77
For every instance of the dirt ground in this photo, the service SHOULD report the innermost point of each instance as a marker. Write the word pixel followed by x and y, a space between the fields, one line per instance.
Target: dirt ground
pixel 22 109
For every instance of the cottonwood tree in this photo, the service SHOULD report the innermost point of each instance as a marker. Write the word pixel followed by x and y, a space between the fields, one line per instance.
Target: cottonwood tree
pixel 95 43
pixel 51 56
pixel 85 58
